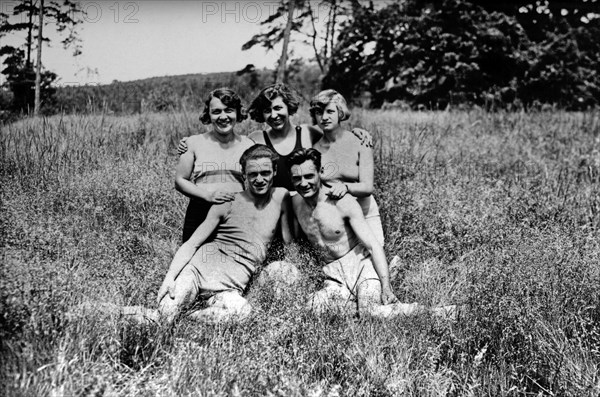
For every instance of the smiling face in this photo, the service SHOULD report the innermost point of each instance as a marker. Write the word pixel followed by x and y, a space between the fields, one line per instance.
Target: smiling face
pixel 329 118
pixel 277 115
pixel 259 174
pixel 306 179
pixel 222 117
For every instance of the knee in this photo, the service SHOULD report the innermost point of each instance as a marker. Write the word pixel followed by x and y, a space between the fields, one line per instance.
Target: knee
pixel 229 300
pixel 368 306
pixel 324 301
pixel 280 274
pixel 171 307
pixel 317 303
pixel 231 304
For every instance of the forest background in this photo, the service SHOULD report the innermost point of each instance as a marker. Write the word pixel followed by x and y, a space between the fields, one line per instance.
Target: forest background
pixel 418 54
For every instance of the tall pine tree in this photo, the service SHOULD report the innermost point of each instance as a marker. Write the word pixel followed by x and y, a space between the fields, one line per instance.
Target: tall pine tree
pixel 19 69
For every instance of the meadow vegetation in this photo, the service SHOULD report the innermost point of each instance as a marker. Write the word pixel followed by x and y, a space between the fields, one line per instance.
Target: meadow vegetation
pixel 497 212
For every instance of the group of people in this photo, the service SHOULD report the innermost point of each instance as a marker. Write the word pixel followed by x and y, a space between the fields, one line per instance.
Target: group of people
pixel 314 181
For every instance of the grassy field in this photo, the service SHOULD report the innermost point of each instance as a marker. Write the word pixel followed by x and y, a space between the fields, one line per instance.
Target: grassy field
pixel 497 212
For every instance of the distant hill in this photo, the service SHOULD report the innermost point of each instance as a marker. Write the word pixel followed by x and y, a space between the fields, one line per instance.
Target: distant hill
pixel 158 93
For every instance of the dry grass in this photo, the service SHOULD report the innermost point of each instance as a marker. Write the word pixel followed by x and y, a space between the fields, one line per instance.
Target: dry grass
pixel 498 212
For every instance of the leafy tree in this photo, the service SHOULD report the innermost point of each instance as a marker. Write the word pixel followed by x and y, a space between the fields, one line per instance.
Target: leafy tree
pixel 63 16
pixel 455 52
pixel 306 26
pixel 566 69
pixel 538 17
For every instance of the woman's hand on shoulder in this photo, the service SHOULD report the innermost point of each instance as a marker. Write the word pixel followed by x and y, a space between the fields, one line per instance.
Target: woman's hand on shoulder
pixel 364 136
pixel 337 190
pixel 219 197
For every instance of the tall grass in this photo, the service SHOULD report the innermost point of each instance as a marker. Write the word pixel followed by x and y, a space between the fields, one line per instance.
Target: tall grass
pixel 497 212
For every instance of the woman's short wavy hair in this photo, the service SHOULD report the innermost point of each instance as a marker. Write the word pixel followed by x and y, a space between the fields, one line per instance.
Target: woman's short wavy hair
pixel 320 101
pixel 229 99
pixel 264 99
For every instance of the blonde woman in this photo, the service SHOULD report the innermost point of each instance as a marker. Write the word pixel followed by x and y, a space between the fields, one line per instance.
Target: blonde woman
pixel 347 160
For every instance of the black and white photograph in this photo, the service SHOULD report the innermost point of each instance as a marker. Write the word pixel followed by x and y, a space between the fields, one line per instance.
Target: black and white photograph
pixel 304 198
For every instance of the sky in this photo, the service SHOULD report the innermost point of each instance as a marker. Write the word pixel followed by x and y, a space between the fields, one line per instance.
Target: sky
pixel 129 40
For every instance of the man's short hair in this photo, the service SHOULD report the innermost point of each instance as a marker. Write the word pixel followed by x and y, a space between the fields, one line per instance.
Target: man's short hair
pixel 258 151
pixel 299 156
pixel 264 99
pixel 229 99
pixel 320 101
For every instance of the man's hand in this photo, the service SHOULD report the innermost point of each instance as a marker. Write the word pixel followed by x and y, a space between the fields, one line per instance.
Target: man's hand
pixel 182 147
pixel 168 287
pixel 366 139
pixel 219 197
pixel 337 190
pixel 387 296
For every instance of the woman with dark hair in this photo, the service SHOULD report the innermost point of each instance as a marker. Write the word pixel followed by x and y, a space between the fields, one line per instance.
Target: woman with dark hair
pixel 209 171
pixel 346 157
pixel 274 105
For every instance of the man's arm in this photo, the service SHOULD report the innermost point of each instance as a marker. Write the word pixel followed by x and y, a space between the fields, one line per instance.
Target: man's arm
pixel 297 232
pixel 286 213
pixel 352 211
pixel 187 250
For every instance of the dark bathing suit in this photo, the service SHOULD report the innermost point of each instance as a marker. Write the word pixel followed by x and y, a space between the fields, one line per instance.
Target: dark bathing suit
pixel 197 209
pixel 228 262
pixel 283 177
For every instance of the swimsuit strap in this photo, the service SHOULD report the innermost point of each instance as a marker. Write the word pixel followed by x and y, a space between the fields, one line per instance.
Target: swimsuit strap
pixel 298 138
pixel 268 141
pixel 297 145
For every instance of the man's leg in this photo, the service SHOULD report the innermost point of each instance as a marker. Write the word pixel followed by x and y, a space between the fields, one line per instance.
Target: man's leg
pixel 369 302
pixel 277 276
pixel 141 314
pixel 169 308
pixel 332 298
pixel 223 306
pixel 184 294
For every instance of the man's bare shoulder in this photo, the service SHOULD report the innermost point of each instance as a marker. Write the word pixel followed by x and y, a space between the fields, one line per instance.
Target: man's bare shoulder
pixel 297 200
pixel 280 194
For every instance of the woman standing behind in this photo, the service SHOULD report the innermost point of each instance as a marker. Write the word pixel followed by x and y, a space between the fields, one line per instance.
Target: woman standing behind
pixel 274 105
pixel 209 171
pixel 347 159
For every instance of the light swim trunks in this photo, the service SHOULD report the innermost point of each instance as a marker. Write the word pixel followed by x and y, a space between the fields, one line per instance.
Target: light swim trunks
pixel 351 271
